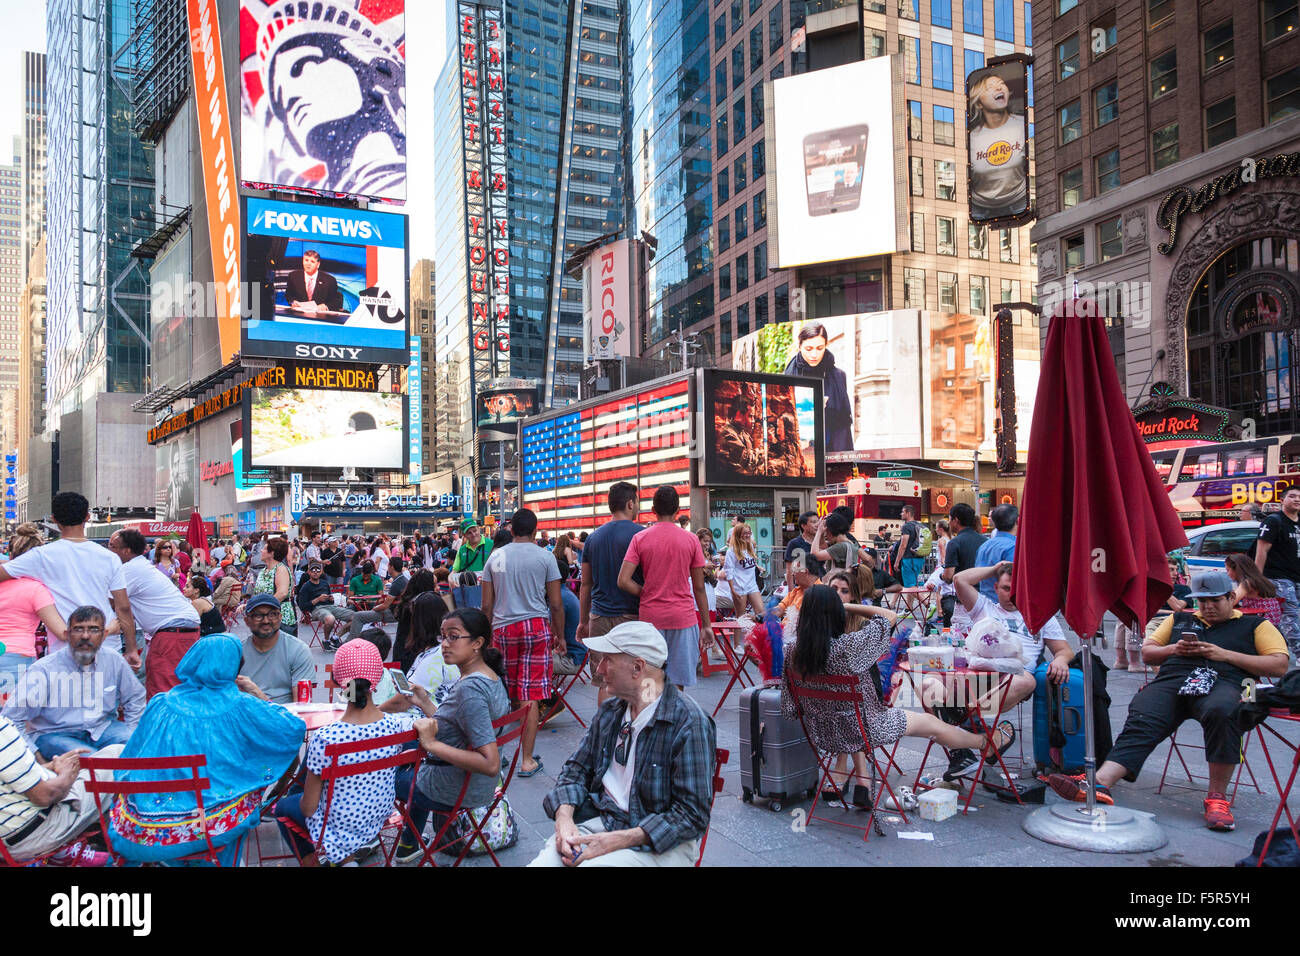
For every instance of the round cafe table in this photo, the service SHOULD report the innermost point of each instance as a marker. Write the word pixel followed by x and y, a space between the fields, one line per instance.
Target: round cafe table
pixel 317 715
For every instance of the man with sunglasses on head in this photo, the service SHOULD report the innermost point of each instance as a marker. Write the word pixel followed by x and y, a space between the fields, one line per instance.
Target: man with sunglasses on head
pixel 637 792
pixel 1204 659
pixel 273 662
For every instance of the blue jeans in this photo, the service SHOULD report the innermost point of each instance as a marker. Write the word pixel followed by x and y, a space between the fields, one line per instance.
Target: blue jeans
pixel 911 569
pixel 421 806
pixel 1290 626
pixel 290 806
pixel 12 668
pixel 61 741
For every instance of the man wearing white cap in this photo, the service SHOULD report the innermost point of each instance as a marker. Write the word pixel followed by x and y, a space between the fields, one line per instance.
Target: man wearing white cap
pixel 638 790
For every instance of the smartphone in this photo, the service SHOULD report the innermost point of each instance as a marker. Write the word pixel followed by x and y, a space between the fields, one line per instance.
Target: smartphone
pixel 400 682
pixel 1189 636
pixel 833 161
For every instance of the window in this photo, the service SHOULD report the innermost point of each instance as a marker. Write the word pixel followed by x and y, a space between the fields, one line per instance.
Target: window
pixel 720 82
pixel 1281 18
pixel 760 210
pixel 1110 239
pixel 913 120
pixel 972 60
pixel 977 241
pixel 1071 122
pixel 1164 73
pixel 914 288
pixel 910 47
pixel 782 303
pixel 941 13
pixel 737 66
pixel 1220 122
pixel 738 120
pixel 738 174
pixel 947 292
pixel 1074 252
pixel 756 107
pixel 909 9
pixel 1164 146
pixel 979 294
pixel 758 159
pixel 941 65
pixel 1010 290
pixel 972 16
pixel 875 44
pixel 1008 246
pixel 1064 6
pixel 721 127
pixel 724 282
pixel 1105 101
pixel 741 215
pixel 723 180
pixel 917 165
pixel 760 261
pixel 1029 24
pixel 724 234
pixel 1107 171
pixel 1067 57
pixel 918 232
pixel 737 15
pixel 724 338
pixel 760 309
pixel 1004 21
pixel 945 179
pixel 944 134
pixel 756 46
pixel 720 32
pixel 1284 94
pixel 1216 43
pixel 754 5
pixel 742 319
pixel 1159 10
pixel 775 35
pixel 742 272
pixel 1105 25
pixel 945 235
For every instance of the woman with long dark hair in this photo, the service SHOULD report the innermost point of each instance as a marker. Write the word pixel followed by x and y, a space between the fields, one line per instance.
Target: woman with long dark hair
pixel 461 739
pixel 423 581
pixel 428 668
pixel 1255 593
pixel 814 360
pixel 823 647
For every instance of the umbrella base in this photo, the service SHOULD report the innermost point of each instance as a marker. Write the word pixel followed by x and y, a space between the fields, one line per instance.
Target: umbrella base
pixel 1107 830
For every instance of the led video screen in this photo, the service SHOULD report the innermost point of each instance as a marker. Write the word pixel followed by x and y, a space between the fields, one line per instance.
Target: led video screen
pixel 762 430
pixel 305 428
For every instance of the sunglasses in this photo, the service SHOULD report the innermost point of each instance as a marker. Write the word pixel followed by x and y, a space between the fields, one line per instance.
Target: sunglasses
pixel 623 744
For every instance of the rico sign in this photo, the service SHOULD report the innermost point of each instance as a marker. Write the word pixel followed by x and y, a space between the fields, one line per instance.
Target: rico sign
pixel 607 298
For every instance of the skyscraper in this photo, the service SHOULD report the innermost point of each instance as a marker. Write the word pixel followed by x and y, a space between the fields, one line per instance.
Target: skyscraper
pixel 11 286
pixel 32 153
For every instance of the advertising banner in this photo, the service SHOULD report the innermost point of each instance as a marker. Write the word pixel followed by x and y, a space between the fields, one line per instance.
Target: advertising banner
pixel 502 401
pixel 217 151
pixel 762 430
pixel 255 485
pixel 414 416
pixel 957 366
pixel 324 96
pixel 831 144
pixel 177 469
pixel 302 428
pixel 997 142
pixel 332 280
pixel 607 301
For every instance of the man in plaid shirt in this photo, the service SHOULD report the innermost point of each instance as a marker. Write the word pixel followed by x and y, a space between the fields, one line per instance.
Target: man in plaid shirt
pixel 638 792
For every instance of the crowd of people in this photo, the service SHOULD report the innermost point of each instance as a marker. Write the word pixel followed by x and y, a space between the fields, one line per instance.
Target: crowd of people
pixel 140 661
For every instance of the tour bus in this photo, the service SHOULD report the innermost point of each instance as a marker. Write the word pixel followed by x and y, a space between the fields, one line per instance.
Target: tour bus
pixel 1209 484
pixel 875 501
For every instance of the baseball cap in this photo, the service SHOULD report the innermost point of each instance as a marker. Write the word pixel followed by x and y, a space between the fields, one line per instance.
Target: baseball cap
pixel 1212 584
pixel 634 638
pixel 467 524
pixel 261 600
pixel 313 564
pixel 358 659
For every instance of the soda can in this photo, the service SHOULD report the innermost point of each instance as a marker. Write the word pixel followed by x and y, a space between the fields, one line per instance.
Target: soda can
pixel 304 692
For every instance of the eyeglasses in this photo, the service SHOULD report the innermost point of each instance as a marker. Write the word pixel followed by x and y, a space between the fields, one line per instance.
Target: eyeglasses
pixel 624 741
pixel 85 629
pixel 451 638
pixel 262 614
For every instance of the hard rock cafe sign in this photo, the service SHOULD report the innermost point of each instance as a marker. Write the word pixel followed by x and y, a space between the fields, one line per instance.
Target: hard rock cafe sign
pixel 1167 416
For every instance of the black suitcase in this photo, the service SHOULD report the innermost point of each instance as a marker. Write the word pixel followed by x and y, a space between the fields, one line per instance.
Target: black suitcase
pixel 775 759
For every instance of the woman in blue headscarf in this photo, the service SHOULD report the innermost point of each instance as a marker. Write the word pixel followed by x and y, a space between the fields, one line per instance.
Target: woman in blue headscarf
pixel 248 743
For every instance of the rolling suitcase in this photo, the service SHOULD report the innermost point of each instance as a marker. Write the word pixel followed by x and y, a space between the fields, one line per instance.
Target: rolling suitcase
pixel 775 759
pixel 1059 742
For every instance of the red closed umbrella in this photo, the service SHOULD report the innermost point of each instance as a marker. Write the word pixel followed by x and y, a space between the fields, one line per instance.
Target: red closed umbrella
pixel 1096 522
pixel 195 535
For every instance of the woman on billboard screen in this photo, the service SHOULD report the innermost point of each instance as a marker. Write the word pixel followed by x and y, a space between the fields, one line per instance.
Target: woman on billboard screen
pixel 999 150
pixel 814 360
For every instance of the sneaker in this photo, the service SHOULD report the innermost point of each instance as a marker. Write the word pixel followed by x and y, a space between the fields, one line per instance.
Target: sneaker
pixel 407 852
pixel 368 848
pixel 962 763
pixel 79 854
pixel 1075 789
pixel 1218 813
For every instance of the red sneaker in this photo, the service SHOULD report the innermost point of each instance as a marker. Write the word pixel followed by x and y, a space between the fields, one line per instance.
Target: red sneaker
pixel 1071 788
pixel 1218 813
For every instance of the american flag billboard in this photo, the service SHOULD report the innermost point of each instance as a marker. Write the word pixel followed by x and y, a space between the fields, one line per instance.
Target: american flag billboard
pixel 570 460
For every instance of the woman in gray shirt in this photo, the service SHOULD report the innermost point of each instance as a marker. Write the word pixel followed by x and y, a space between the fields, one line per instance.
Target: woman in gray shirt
pixel 460 740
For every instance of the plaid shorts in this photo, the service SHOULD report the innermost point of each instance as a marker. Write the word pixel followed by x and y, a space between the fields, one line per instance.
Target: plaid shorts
pixel 526 646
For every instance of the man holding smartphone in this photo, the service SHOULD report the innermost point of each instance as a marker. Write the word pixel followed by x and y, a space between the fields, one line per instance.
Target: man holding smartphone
pixel 1204 659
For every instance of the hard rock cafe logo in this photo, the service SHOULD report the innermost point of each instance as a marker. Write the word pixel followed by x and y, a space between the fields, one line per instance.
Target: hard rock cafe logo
pixel 998 154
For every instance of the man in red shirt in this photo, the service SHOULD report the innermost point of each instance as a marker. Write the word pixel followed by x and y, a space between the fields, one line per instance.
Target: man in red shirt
pixel 672 566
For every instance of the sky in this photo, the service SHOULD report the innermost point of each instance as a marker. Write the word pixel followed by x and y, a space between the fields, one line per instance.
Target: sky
pixel 24 22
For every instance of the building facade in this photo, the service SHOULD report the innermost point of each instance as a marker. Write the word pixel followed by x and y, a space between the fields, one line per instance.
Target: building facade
pixel 32 154
pixel 1169 191
pixel 31 389
pixel 424 319
pixel 11 288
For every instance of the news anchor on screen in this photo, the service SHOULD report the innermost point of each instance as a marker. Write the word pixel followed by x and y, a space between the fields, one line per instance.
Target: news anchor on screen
pixel 311 290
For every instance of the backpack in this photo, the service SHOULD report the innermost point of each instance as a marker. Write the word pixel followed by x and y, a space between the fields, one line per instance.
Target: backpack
pixel 925 542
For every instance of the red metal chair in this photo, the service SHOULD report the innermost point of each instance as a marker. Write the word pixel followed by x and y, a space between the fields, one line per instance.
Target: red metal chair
pixel 196 783
pixel 1283 791
pixel 334 771
pixel 563 684
pixel 735 665
pixel 720 758
pixel 1176 750
pixel 840 689
pixel 515 721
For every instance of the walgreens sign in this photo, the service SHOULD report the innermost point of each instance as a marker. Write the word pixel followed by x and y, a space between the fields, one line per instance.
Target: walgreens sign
pixel 607 301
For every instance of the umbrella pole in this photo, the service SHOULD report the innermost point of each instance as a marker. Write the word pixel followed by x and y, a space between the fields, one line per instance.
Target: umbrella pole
pixel 1088 826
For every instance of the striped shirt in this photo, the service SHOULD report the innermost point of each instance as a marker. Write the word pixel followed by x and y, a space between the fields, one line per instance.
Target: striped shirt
pixel 19 772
